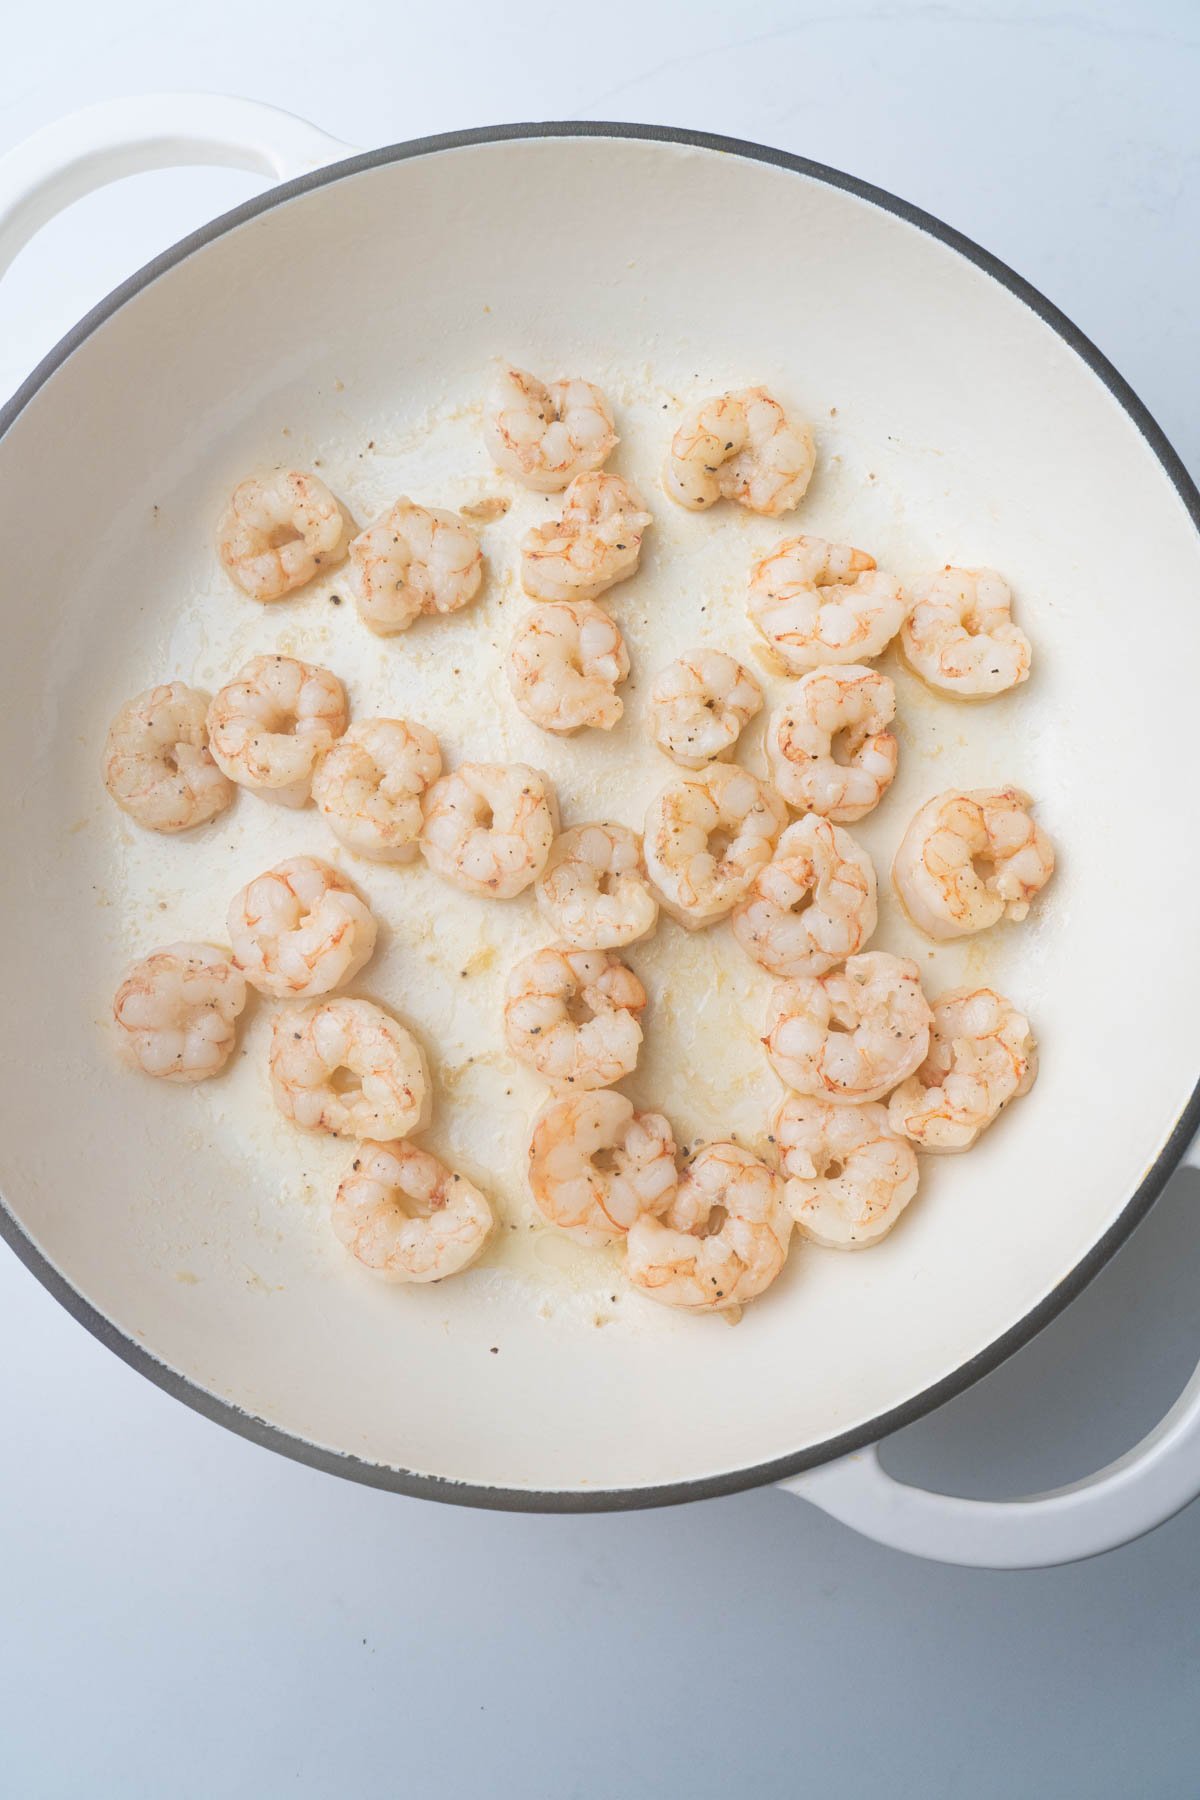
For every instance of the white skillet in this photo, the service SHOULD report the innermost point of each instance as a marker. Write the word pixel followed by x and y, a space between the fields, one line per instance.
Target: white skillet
pixel 959 417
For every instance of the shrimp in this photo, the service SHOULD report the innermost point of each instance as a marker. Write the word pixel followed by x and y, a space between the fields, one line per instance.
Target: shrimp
pixel 596 543
pixel 829 748
pixel 816 603
pixel 723 1239
pixel 595 1165
pixel 850 1175
pixel 740 446
pixel 370 785
pixel 268 726
pixel 959 635
pixel 414 560
pixel 812 905
pixel 547 435
pixel 311 1046
pixel 981 1055
pixel 300 929
pixel 707 837
pixel 407 1217
pixel 593 891
pixel 699 706
pixel 970 859
pixel 852 1035
pixel 546 994
pixel 564 665
pixel 177 1012
pixel 489 827
pixel 279 531
pixel 157 763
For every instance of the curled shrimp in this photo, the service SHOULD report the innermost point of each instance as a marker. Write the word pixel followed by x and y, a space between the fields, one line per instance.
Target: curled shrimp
pixel 157 763
pixel 816 603
pixel 312 1047
pixel 829 747
pixel 699 706
pixel 596 543
pixel 593 891
pixel 279 531
pixel 707 836
pixel 850 1174
pixel 268 726
pixel 959 635
pixel 812 905
pixel 981 1056
pixel 406 1216
pixel 370 785
pixel 740 446
pixel 564 665
pixel 723 1239
pixel 546 435
pixel 546 994
pixel 970 859
pixel 595 1165
pixel 489 827
pixel 177 1012
pixel 852 1035
pixel 414 560
pixel 300 929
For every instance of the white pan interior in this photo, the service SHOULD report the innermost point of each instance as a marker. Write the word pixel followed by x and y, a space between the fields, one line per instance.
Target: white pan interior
pixel 354 324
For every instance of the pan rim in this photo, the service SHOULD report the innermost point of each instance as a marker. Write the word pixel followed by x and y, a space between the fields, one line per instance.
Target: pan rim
pixel 584 1499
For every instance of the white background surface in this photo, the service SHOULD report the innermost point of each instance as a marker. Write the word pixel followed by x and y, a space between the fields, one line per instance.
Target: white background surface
pixel 186 1615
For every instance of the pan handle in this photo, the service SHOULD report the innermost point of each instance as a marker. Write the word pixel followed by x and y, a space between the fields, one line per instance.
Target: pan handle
pixel 1142 1489
pixel 88 149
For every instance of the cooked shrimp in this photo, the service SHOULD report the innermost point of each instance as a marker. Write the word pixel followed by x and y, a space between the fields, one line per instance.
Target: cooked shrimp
pixel 573 1016
pixel 850 1175
pixel 280 531
pixel 699 706
pixel 812 905
pixel 564 665
pixel 595 1165
pixel 489 827
pixel 300 929
pixel 981 1056
pixel 593 891
pixel 740 446
pixel 968 860
pixel 596 543
pixel 177 1012
pixel 547 435
pixel 414 560
pixel 829 748
pixel 707 837
pixel 959 635
pixel 157 763
pixel 268 726
pixel 723 1239
pixel 312 1046
pixel 370 785
pixel 816 603
pixel 852 1035
pixel 407 1217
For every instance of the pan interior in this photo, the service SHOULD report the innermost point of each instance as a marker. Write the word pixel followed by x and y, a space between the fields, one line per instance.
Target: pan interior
pixel 351 328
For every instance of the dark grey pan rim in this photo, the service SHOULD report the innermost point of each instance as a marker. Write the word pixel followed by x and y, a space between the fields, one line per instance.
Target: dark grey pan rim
pixel 434 1487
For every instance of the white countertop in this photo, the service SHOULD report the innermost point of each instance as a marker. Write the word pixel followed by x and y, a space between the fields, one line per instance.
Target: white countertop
pixel 188 1615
